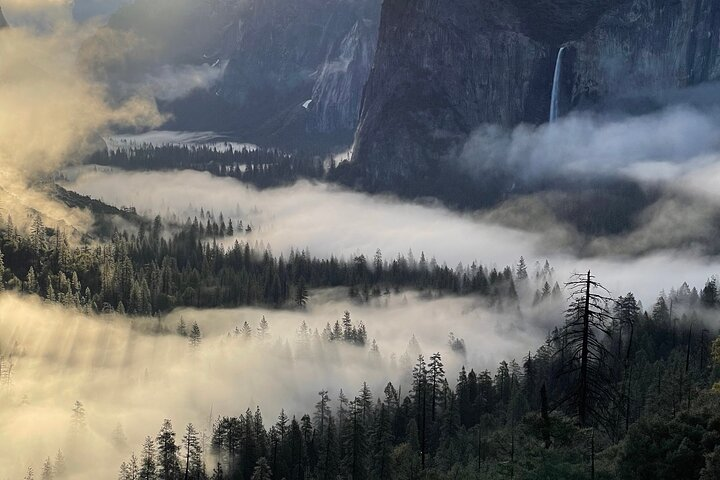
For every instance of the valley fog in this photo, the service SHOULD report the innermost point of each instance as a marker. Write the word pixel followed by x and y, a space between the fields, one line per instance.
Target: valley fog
pixel 127 375
pixel 328 220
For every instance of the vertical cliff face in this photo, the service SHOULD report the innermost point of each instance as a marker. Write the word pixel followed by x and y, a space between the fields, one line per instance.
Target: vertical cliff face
pixel 337 93
pixel 278 55
pixel 441 69
pixel 444 68
pixel 299 67
pixel 644 47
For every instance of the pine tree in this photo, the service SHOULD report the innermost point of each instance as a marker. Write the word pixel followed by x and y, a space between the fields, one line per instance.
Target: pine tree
pixel 322 412
pixel 168 467
pixel 264 329
pixel 182 328
pixel 78 416
pixel 521 270
pixel 381 445
pixel 328 459
pixel 226 439
pixel 436 373
pixel 59 466
pixel 118 437
pixel 301 293
pixel 246 332
pixel 262 470
pixel 420 398
pixel 129 470
pixel 354 443
pixel 2 272
pixel 194 337
pixel 148 466
pixel 47 470
pixel 192 453
pixel 218 473
pixel 347 327
pixel 31 283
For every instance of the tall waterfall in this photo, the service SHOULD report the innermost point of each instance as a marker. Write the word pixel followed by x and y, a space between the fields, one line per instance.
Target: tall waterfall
pixel 555 100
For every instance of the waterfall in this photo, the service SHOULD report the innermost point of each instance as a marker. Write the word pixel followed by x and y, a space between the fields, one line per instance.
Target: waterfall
pixel 555 99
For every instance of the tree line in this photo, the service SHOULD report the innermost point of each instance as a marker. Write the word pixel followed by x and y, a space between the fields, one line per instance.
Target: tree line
pixel 152 271
pixel 616 392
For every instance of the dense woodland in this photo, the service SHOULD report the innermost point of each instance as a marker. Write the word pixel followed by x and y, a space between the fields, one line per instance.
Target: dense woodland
pixel 155 270
pixel 262 167
pixel 616 392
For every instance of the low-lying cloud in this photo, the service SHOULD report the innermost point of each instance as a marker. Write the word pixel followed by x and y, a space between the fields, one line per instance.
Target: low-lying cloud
pixel 171 82
pixel 331 221
pixel 591 143
pixel 134 378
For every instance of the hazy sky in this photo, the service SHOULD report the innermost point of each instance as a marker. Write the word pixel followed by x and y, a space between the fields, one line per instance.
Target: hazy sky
pixel 84 9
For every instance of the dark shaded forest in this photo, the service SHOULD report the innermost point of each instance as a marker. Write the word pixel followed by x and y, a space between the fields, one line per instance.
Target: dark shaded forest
pixel 262 168
pixel 614 393
pixel 153 271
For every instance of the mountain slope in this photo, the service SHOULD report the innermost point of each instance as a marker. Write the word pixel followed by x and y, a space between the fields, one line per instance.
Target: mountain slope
pixel 278 56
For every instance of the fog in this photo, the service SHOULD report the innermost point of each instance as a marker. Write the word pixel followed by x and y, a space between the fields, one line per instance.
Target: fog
pixel 51 111
pixel 676 132
pixel 607 144
pixel 125 375
pixel 328 220
pixel 170 82
pixel 134 372
pixel 670 151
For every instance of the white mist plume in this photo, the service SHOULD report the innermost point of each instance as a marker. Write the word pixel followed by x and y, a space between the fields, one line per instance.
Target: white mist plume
pixel 171 82
pixel 331 221
pixel 51 112
pixel 134 378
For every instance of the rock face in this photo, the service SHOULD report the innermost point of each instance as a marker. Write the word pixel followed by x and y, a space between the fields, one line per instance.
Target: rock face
pixel 444 68
pixel 294 70
pixel 337 93
pixel 299 67
pixel 646 46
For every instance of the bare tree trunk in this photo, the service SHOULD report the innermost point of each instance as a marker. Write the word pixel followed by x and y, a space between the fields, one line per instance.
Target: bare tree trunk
pixel 583 407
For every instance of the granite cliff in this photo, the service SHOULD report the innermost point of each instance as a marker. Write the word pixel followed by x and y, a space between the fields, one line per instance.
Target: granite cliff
pixel 442 69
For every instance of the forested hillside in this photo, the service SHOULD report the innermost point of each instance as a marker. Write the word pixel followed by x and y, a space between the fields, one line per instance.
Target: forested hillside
pixel 152 272
pixel 614 393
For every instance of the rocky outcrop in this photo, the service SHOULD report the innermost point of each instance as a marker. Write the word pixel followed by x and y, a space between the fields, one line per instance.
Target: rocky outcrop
pixel 644 47
pixel 299 67
pixel 442 69
pixel 337 93
pixel 294 71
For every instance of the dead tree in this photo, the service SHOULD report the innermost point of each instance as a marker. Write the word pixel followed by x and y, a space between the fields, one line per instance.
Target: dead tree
pixel 586 357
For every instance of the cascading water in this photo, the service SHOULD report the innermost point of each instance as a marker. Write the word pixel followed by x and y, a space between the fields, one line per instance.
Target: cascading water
pixel 555 99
